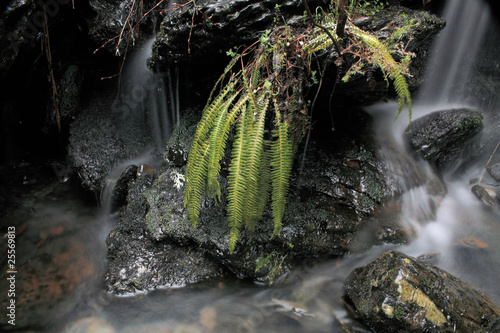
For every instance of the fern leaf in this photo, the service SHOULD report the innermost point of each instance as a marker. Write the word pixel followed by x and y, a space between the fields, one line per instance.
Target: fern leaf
pixel 254 148
pixel 197 168
pixel 383 59
pixel 237 182
pixel 218 140
pixel 197 183
pixel 281 166
pixel 321 41
pixel 263 184
pixel 403 92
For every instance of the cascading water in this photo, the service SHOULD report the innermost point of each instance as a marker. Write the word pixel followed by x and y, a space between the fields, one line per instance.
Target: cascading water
pixel 144 98
pixel 454 53
pixel 145 106
pixel 454 226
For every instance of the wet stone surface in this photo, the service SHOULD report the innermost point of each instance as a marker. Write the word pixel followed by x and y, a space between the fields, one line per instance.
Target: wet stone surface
pixel 398 293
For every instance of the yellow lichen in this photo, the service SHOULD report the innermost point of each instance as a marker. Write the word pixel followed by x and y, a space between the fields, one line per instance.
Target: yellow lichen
pixel 388 310
pixel 410 294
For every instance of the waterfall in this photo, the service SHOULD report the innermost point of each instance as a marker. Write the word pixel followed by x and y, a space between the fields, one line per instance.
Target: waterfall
pixel 447 84
pixel 144 95
pixel 454 52
pixel 149 104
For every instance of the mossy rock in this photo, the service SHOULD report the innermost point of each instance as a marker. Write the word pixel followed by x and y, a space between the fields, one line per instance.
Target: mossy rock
pixel 398 293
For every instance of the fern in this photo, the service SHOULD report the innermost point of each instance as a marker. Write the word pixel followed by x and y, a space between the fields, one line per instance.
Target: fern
pixel 261 164
pixel 237 182
pixel 281 166
pixel 218 141
pixel 197 167
pixel 382 58
pixel 253 156
pixel 379 56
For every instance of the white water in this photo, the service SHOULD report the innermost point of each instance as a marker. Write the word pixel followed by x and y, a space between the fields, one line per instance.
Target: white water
pixel 148 102
pixel 150 99
pixel 454 53
pixel 461 235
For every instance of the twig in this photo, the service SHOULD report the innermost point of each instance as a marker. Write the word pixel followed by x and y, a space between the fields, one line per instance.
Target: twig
pixel 132 27
pixel 48 54
pixel 338 62
pixel 325 29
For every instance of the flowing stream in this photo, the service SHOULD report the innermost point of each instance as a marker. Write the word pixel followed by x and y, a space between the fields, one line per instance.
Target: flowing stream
pixel 462 235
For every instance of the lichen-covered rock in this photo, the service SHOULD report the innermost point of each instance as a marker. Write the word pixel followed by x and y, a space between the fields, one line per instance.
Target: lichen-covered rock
pixel 398 293
pixel 439 137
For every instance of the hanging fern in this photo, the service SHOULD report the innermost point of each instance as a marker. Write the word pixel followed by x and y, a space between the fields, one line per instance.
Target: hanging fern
pixel 268 88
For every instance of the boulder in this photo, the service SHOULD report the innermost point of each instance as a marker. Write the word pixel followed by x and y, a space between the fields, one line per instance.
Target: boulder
pixel 440 136
pixel 102 137
pixel 494 171
pixel 199 41
pixel 138 264
pixel 398 293
pixel 332 196
pixel 487 195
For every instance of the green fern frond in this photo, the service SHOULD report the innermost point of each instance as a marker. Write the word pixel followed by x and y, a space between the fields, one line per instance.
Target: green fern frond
pixel 383 59
pixel 404 97
pixel 193 194
pixel 263 185
pixel 281 167
pixel 237 181
pixel 321 40
pixel 218 140
pixel 254 150
pixel 196 170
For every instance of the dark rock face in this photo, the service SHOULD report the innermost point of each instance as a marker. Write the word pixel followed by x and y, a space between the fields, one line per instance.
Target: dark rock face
pixel 101 138
pixel 114 18
pixel 397 293
pixel 202 39
pixel 137 263
pixel 439 137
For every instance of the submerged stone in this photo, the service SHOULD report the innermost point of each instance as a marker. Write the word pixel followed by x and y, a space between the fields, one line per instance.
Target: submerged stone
pixel 398 293
pixel 485 194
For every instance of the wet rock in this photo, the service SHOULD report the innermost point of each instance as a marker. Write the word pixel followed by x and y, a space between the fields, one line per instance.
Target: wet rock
pixel 139 263
pixel 101 137
pixel 177 148
pixel 486 195
pixel 341 184
pixel 398 293
pixel 494 171
pixel 192 39
pixel 439 137
pixel 120 192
